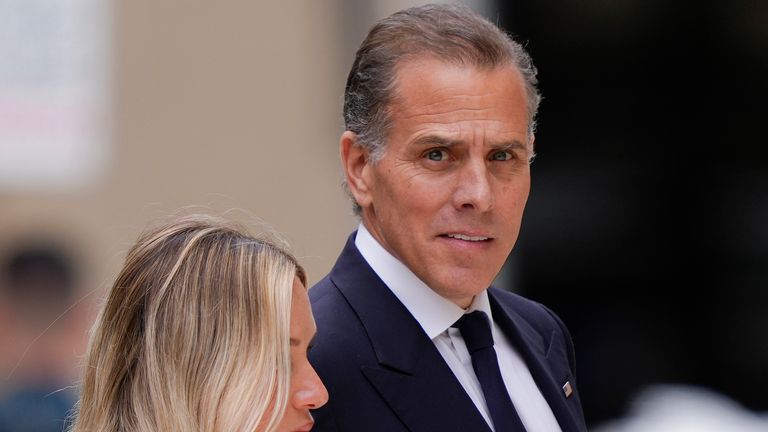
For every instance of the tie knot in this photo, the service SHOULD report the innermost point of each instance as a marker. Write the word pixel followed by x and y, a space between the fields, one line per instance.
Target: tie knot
pixel 475 328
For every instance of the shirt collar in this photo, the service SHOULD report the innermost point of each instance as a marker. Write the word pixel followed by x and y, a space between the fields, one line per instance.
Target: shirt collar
pixel 433 312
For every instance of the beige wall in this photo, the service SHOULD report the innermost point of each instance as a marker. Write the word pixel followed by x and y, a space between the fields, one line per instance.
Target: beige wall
pixel 219 106
pixel 224 107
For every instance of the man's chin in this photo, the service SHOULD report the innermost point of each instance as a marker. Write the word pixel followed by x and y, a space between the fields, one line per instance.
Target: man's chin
pixel 462 289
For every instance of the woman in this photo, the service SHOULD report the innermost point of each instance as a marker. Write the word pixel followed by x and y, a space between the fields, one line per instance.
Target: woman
pixel 205 329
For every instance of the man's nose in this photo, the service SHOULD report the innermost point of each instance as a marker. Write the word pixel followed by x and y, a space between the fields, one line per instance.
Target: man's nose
pixel 312 394
pixel 473 188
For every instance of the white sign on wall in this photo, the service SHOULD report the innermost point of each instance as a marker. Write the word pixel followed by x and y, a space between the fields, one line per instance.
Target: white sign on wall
pixel 54 87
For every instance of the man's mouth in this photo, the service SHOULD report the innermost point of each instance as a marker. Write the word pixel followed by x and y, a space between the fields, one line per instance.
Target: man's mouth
pixel 467 237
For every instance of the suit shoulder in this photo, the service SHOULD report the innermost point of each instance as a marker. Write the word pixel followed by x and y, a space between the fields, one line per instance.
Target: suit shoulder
pixel 321 289
pixel 338 326
pixel 329 307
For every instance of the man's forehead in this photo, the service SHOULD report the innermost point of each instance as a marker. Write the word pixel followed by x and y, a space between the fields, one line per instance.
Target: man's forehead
pixel 414 63
pixel 425 79
pixel 433 90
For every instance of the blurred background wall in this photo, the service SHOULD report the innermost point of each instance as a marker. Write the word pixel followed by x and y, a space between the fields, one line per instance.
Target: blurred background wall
pixel 646 227
pixel 231 108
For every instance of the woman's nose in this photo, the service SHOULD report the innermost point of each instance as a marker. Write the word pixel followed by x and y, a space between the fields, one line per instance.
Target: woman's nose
pixel 312 394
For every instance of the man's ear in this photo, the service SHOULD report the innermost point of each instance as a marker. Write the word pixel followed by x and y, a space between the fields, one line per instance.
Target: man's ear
pixel 356 163
pixel 532 149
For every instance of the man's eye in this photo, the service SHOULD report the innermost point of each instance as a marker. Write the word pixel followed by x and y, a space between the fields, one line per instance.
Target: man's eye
pixel 436 155
pixel 501 156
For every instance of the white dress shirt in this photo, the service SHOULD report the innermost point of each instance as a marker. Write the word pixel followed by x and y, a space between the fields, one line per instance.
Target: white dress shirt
pixel 436 314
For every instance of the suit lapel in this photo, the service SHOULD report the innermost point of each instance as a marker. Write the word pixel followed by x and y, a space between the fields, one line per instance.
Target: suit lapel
pixel 411 375
pixel 549 373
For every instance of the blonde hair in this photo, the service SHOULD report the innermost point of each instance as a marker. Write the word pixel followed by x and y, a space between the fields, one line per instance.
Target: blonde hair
pixel 194 335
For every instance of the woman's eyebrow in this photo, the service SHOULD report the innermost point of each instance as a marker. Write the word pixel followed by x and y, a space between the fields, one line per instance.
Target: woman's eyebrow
pixel 297 342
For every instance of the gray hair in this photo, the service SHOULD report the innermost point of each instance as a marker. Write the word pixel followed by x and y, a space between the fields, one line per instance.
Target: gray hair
pixel 450 32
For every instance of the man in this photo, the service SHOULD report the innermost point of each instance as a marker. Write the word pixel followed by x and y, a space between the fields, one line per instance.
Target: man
pixel 439 111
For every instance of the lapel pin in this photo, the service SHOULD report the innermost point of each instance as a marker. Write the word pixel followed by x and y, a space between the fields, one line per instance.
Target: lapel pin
pixel 567 389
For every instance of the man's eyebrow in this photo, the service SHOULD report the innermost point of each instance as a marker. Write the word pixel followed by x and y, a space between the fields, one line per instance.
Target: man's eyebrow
pixel 435 140
pixel 510 145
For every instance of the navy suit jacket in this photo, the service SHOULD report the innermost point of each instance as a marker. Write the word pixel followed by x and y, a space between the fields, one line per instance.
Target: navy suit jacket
pixel 383 373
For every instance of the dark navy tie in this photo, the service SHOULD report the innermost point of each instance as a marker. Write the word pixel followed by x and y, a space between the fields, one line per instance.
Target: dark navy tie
pixel 476 331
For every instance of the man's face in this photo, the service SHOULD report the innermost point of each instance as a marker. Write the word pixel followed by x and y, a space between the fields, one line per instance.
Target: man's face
pixel 447 197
